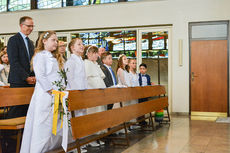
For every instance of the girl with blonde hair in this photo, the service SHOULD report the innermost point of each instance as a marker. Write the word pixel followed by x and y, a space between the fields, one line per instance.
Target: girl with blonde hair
pixel 75 67
pixel 133 74
pixel 37 136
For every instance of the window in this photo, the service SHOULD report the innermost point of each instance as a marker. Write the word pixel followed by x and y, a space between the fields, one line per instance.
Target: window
pixel 117 42
pixel 3 5
pixel 155 44
pixel 93 38
pixel 49 4
pixel 75 2
pixel 15 5
pixel 107 1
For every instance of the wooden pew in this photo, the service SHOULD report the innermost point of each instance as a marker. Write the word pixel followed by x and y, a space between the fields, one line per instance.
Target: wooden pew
pixel 87 125
pixel 13 97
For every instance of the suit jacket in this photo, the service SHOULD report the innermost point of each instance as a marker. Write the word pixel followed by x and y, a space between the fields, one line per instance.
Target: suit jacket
pixel 19 60
pixel 108 77
pixel 148 79
pixel 99 62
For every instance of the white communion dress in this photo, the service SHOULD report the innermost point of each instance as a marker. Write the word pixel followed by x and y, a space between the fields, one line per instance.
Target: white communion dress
pixel 129 80
pixel 134 79
pixel 37 136
pixel 76 77
pixel 75 70
pixel 95 77
pixel 123 77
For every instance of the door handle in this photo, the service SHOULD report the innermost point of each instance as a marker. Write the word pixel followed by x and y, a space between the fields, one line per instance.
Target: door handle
pixel 193 76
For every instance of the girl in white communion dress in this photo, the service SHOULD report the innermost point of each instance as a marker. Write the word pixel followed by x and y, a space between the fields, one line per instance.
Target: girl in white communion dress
pixel 75 67
pixel 133 74
pixel 95 77
pixel 75 71
pixel 37 136
pixel 122 73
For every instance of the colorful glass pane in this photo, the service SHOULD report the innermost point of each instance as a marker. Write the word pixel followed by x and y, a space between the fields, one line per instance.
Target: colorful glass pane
pixel 15 5
pixel 49 4
pixel 2 5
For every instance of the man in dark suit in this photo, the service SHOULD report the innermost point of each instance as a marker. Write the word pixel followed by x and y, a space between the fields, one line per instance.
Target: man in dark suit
pixel 20 50
pixel 110 78
pixel 99 59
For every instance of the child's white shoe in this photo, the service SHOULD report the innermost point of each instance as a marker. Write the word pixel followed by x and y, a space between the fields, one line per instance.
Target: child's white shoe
pixel 94 144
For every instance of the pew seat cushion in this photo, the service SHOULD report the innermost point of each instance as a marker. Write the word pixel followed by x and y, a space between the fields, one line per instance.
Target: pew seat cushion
pixel 13 121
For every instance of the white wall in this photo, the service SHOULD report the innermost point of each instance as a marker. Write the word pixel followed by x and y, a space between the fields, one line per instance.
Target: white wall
pixel 176 12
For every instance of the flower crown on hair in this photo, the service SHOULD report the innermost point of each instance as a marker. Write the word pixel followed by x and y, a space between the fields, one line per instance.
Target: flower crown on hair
pixel 87 50
pixel 121 55
pixel 47 33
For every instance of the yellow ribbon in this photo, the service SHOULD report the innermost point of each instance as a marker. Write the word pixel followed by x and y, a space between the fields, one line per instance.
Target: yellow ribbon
pixel 58 95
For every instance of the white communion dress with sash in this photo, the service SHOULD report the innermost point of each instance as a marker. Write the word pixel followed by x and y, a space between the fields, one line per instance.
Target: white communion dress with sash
pixel 37 136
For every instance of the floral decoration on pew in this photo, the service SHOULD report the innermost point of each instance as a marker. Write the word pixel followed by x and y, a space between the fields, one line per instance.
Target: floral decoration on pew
pixel 60 107
pixel 61 84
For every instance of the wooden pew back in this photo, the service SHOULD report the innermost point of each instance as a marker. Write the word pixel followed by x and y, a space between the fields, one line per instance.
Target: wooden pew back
pixel 89 124
pixel 15 96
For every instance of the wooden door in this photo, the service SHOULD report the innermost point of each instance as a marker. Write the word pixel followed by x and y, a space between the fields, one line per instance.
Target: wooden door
pixel 208 76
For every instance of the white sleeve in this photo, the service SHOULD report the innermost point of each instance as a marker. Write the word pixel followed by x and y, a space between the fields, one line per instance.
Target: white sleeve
pixel 90 70
pixel 70 72
pixel 39 65
pixel 1 67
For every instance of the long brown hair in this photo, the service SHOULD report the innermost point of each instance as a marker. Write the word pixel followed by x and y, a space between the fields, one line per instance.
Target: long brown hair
pixel 120 63
pixel 40 47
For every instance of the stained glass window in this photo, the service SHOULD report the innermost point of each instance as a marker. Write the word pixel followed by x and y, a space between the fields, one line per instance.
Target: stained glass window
pixel 155 44
pixel 108 1
pixel 85 41
pixel 145 44
pixel 75 2
pixel 92 38
pixel 2 5
pixel 49 4
pixel 117 42
pixel 158 43
pixel 80 2
pixel 84 35
pixel 15 5
pixel 94 35
pixel 119 46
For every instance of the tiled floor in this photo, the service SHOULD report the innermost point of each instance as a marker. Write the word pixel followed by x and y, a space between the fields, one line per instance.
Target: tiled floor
pixel 182 136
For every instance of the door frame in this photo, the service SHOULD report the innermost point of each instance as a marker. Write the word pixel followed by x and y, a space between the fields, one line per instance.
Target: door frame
pixel 139 54
pixel 190 24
